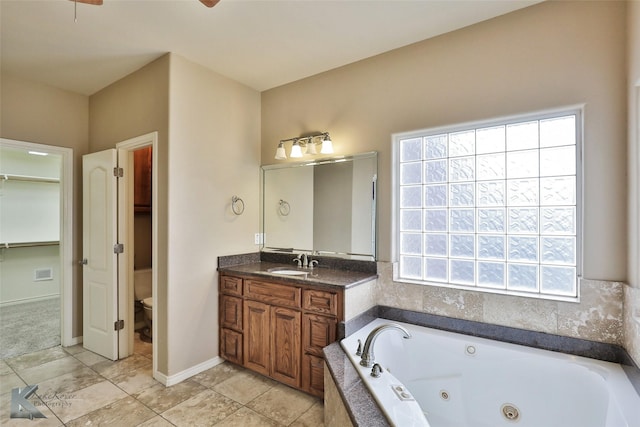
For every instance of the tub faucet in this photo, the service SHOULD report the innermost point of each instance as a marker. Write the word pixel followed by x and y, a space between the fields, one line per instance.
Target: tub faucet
pixel 367 353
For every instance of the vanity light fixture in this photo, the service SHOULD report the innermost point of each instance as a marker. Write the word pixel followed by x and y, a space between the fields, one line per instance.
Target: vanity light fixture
pixel 305 145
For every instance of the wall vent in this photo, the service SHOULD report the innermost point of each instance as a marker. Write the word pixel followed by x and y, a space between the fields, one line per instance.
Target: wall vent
pixel 41 274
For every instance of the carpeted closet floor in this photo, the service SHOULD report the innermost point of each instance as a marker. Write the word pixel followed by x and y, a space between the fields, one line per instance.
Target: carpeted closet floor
pixel 29 327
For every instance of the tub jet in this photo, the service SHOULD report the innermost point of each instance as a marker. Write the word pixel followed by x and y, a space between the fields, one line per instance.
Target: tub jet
pixel 510 412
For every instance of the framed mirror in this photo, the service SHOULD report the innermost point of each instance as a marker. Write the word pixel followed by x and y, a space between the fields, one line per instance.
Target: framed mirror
pixel 325 207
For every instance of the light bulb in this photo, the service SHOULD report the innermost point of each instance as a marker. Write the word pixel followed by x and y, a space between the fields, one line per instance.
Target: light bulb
pixel 280 154
pixel 327 145
pixel 311 147
pixel 296 151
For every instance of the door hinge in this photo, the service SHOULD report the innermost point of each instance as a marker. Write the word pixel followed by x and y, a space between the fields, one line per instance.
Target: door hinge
pixel 118 172
pixel 118 248
pixel 118 324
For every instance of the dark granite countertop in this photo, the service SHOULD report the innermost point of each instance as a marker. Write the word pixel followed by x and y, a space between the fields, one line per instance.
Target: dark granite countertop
pixel 362 409
pixel 318 276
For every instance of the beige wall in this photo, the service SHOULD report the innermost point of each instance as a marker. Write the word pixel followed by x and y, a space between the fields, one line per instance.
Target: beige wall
pixel 42 114
pixel 632 292
pixel 546 56
pixel 136 105
pixel 214 154
pixel 208 147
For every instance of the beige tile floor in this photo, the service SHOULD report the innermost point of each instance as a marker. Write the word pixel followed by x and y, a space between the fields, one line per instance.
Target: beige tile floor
pixel 79 388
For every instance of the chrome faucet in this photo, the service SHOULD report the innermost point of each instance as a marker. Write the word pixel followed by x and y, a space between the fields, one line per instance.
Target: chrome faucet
pixel 302 260
pixel 367 353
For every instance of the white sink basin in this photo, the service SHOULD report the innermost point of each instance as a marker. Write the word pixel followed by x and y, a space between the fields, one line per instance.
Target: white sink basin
pixel 287 272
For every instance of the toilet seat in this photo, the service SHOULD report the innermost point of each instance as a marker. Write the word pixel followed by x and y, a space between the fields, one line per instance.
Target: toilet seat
pixel 148 302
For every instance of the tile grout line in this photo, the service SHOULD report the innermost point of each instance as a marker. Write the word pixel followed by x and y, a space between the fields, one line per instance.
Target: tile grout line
pixel 142 356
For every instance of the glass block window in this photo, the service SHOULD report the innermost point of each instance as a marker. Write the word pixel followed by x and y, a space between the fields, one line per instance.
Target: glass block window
pixel 492 206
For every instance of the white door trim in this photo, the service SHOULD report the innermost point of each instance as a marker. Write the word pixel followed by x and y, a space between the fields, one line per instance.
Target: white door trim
pixel 125 236
pixel 66 234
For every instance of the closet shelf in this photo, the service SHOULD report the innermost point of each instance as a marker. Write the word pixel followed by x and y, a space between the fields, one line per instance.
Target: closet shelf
pixel 11 177
pixel 28 244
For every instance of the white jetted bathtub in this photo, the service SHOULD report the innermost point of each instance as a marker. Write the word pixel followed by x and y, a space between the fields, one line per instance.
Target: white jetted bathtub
pixel 444 379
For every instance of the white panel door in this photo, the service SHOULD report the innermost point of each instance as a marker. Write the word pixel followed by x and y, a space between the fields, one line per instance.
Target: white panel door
pixel 99 234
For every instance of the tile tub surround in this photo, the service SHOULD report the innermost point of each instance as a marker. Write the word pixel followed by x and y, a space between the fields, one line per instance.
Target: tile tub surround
pixel 632 322
pixel 598 316
pixel 348 382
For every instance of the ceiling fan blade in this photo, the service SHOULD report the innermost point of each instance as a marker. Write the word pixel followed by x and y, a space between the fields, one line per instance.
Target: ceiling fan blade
pixel 209 3
pixel 94 2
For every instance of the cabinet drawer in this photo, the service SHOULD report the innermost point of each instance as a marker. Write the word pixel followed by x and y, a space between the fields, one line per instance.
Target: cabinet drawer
pixel 273 293
pixel 231 285
pixel 320 301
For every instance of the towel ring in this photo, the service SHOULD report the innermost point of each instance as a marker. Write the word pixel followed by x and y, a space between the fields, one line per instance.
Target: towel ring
pixel 284 208
pixel 237 205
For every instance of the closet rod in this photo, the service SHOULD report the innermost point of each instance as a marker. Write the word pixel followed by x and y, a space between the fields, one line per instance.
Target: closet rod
pixel 9 177
pixel 28 244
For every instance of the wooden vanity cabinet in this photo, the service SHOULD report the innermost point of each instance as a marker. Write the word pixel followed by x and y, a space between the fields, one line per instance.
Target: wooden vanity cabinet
pixel 231 319
pixel 278 329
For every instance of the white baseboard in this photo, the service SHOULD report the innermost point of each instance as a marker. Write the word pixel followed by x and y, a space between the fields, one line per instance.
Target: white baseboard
pixel 72 341
pixel 31 299
pixel 187 373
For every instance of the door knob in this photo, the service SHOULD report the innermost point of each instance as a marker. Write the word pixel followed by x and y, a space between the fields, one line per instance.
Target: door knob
pixel 83 261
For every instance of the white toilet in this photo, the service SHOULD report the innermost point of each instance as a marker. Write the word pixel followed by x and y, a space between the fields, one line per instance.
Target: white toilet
pixel 142 292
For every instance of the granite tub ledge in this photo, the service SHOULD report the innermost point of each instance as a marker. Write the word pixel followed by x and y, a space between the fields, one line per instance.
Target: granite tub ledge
pixel 360 405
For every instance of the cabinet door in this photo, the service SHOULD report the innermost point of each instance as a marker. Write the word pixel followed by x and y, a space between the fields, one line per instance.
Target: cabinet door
pixel 317 333
pixel 285 346
pixel 231 312
pixel 256 336
pixel 313 375
pixel 231 345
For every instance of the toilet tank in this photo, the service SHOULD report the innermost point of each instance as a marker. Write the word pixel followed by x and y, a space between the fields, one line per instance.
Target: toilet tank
pixel 142 283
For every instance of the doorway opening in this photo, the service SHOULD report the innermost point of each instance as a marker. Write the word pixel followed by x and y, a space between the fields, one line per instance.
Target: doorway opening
pixel 36 218
pixel 109 247
pixel 138 230
pixel 142 244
